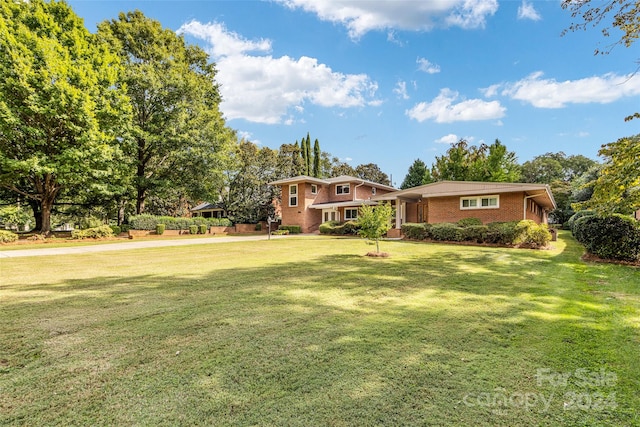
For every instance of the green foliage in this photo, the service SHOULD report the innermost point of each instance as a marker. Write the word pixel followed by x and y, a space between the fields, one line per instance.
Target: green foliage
pixel 470 163
pixel 317 159
pixel 466 222
pixel 340 228
pixel 375 221
pixel 160 229
pixel 531 234
pixel 617 188
pixel 418 174
pixel 372 172
pixel 143 222
pixel 502 233
pixel 14 216
pixel 202 229
pixel 219 222
pixel 610 237
pixel 258 227
pixel 61 107
pixel 293 229
pixel 475 233
pixel 181 138
pixel 93 233
pixel 414 231
pixel 280 232
pixel 7 236
pixel 193 229
pixel 446 231
pixel 116 229
pixel 576 216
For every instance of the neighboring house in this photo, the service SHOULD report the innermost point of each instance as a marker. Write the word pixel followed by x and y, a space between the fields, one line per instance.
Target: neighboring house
pixel 450 201
pixel 209 210
pixel 308 201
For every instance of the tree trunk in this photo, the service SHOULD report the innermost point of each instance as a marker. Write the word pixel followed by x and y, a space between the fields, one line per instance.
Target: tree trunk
pixel 46 207
pixel 37 213
pixel 142 195
pixel 121 204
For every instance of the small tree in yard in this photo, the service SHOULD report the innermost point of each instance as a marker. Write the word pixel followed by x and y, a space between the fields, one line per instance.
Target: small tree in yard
pixel 375 221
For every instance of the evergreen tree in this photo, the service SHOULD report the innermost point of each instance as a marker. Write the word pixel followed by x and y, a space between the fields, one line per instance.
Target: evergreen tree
pixel 308 162
pixel 316 159
pixel 418 174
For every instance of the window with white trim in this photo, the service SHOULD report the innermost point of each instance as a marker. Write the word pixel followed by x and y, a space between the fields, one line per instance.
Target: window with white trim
pixel 480 202
pixel 342 189
pixel 350 214
pixel 314 189
pixel 293 195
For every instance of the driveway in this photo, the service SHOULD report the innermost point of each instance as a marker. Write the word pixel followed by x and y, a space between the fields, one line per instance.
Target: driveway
pixel 131 244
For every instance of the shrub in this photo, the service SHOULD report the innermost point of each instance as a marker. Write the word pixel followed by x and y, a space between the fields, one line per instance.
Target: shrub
pixel 193 229
pixel 475 233
pixel 529 233
pixel 328 227
pixel 143 222
pixel 576 216
pixel 125 227
pixel 467 222
pixel 503 233
pixel 349 227
pixel 446 231
pixel 614 236
pixel 202 229
pixel 160 229
pixel 258 227
pixel 293 229
pixel 116 229
pixel 92 233
pixel 280 232
pixel 416 231
pixel 219 222
pixel 7 236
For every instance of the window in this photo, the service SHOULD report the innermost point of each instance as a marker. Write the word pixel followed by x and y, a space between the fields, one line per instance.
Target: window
pixel 293 195
pixel 373 190
pixel 342 189
pixel 481 202
pixel 314 189
pixel 350 214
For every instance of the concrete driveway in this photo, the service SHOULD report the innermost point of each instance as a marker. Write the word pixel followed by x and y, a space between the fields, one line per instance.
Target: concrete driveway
pixel 42 250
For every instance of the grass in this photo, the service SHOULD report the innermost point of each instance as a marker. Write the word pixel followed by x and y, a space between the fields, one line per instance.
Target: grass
pixel 308 331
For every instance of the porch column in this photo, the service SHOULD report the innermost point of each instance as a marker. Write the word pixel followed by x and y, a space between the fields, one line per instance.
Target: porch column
pixel 399 209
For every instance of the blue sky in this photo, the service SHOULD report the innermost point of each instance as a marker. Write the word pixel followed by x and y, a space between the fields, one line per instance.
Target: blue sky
pixel 391 81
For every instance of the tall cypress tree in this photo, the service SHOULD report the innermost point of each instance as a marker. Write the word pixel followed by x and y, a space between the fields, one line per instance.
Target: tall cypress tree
pixel 316 159
pixel 303 155
pixel 307 156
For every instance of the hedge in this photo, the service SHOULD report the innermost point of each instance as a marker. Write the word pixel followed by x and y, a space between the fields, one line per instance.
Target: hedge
pixel 615 237
pixel 416 231
pixel 149 222
pixel 348 228
pixel 576 216
pixel 292 229
pixel 446 231
pixel 467 222
pixel 475 233
pixel 92 233
pixel 7 236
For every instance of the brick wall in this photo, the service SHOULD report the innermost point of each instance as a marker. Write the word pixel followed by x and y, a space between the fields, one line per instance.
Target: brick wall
pixel 447 209
pixel 307 219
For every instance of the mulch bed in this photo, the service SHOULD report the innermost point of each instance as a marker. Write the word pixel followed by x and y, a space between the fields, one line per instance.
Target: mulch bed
pixel 592 258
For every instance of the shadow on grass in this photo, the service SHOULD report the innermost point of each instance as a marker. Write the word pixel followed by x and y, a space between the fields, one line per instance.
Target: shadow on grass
pixel 335 339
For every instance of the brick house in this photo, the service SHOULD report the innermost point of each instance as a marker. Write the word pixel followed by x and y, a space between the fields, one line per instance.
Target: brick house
pixel 450 201
pixel 309 201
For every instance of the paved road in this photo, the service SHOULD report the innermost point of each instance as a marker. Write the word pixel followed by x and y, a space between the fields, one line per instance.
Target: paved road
pixel 131 244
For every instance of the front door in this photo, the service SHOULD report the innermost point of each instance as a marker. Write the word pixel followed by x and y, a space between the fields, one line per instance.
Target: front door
pixel 330 215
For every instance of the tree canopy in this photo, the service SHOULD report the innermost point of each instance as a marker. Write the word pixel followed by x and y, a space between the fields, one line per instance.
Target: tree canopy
pixel 418 174
pixel 178 131
pixel 60 105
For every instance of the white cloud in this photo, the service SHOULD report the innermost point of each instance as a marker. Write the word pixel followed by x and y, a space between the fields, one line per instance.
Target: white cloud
pixel 444 109
pixel 401 90
pixel 549 93
pixel 452 138
pixel 360 17
pixel 265 89
pixel 426 66
pixel 527 11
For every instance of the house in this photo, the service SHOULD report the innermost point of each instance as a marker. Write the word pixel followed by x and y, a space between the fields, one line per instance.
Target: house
pixel 450 201
pixel 209 210
pixel 309 201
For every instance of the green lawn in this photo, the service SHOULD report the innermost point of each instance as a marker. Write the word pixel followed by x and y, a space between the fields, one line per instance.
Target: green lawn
pixel 308 331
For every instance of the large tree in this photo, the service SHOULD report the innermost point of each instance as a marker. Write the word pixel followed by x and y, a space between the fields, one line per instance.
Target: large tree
pixel 178 130
pixel 60 105
pixel 418 174
pixel 372 172
pixel 617 188
pixel 317 159
pixel 464 162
